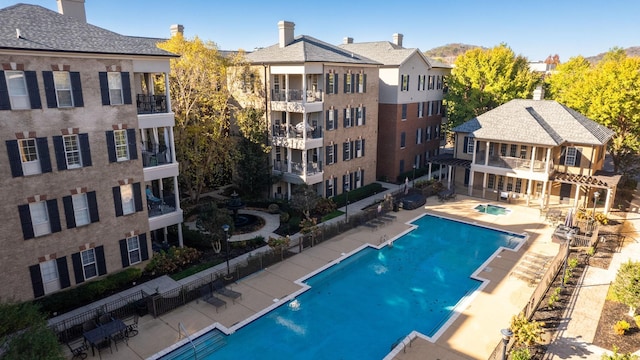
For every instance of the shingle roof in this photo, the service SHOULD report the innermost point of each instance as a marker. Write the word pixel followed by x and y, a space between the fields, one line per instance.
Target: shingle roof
pixel 543 122
pixel 44 29
pixel 388 53
pixel 307 49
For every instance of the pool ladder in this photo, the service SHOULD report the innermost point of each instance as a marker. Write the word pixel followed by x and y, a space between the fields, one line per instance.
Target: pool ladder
pixel 180 330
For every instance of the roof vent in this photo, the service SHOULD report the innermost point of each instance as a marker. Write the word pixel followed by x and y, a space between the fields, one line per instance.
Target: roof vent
pixel 18 35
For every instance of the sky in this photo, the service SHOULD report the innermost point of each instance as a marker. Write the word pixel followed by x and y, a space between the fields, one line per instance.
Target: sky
pixel 535 29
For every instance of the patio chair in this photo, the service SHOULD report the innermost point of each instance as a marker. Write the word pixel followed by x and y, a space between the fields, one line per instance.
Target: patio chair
pixel 89 325
pixel 152 199
pixel 104 318
pixel 218 286
pixel 102 346
pixel 78 349
pixel 132 327
pixel 207 295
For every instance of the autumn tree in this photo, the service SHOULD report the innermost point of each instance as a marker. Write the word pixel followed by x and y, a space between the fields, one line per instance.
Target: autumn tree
pixel 483 79
pixel 608 93
pixel 200 101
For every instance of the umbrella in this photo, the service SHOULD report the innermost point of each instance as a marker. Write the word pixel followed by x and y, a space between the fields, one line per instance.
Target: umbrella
pixel 568 221
pixel 406 185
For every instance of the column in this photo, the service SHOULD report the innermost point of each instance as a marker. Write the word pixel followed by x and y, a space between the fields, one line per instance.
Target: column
pixel 166 91
pixel 475 151
pixel 286 91
pixel 429 176
pixel 172 145
pixel 449 177
pixel 543 194
pixel 576 196
pixel 607 202
pixel 471 182
pixel 547 160
pixel 533 158
pixel 484 185
pixel 486 158
pixel 529 184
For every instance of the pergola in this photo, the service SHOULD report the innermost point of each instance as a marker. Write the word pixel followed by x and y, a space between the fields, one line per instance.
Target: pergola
pixel 600 180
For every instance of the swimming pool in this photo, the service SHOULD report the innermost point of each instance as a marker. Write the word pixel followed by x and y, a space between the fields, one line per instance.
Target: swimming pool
pixel 492 209
pixel 365 303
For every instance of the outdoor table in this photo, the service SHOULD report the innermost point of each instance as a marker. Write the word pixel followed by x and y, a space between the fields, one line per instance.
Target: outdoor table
pixel 104 332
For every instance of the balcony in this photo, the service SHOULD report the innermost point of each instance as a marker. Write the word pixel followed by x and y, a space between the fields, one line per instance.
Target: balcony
pixel 151 104
pixel 308 96
pixel 294 137
pixel 514 163
pixel 311 174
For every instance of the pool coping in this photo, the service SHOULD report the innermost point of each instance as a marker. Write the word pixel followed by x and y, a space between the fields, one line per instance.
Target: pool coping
pixel 462 305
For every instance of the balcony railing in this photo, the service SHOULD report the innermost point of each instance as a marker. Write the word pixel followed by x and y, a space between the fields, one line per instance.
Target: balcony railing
pixel 151 104
pixel 160 206
pixel 511 162
pixel 296 95
pixel 298 168
pixel 296 131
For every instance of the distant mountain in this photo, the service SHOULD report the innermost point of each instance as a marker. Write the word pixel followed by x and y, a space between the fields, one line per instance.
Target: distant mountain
pixel 631 51
pixel 448 53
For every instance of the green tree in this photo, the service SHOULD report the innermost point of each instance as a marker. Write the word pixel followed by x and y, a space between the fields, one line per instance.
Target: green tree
pixel 210 221
pixel 24 333
pixel 252 169
pixel 485 79
pixel 200 101
pixel 626 287
pixel 304 199
pixel 608 93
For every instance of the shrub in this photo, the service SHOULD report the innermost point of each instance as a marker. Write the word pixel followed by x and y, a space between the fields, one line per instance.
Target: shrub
pixel 520 354
pixel 621 327
pixel 167 262
pixel 324 206
pixel 617 356
pixel 284 218
pixel 627 285
pixel 573 262
pixel 591 251
pixel 273 209
pixel 526 332
pixel 637 320
pixel 358 194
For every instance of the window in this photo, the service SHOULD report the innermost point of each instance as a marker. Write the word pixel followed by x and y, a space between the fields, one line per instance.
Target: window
pixel 491 181
pixel 126 194
pixel 359 148
pixel 431 82
pixel 470 144
pixel 120 139
pixel 89 266
pixel 348 117
pixel 416 161
pixel 439 107
pixel 439 82
pixel 331 119
pixel 346 182
pixel 361 80
pixel 115 88
pixel 419 136
pixel 523 151
pixel 519 185
pixel 72 151
pixel 509 184
pixel 133 249
pixel 29 157
pixel 348 83
pixel 404 83
pixel 513 150
pixel 570 158
pixel 360 119
pixel 430 111
pixel 332 83
pixel 346 150
pixel 50 277
pixel 437 133
pixel 18 93
pixel 503 149
pixel 62 83
pixel 40 218
pixel 500 182
pixel 81 209
pixel 331 151
pixel 358 176
pixel 421 81
pixel 330 185
pixel 404 111
pixel 420 109
pixel 403 138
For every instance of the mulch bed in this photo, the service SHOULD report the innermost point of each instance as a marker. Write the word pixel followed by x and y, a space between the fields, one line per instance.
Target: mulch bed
pixel 605 338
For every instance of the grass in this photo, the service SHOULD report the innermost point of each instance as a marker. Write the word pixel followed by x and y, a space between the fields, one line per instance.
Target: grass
pixel 194 270
pixel 331 215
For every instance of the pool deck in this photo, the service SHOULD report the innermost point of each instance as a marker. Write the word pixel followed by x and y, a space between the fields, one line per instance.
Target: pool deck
pixel 472 335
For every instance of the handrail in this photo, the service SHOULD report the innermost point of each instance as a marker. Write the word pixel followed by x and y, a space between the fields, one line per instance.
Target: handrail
pixel 180 329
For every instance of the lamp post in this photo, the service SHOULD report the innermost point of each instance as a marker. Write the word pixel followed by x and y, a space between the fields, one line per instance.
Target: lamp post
pixel 596 196
pixel 346 207
pixel 506 336
pixel 413 184
pixel 225 227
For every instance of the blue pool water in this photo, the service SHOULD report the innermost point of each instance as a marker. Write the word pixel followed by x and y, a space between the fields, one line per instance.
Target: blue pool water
pixel 360 307
pixel 492 209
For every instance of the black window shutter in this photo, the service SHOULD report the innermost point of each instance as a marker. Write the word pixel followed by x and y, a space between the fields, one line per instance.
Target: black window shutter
pixel 464 146
pixel 36 280
pixel 43 154
pixel 54 215
pixel 350 181
pixel 364 115
pixel 131 139
pixel 335 153
pixel 137 196
pixel 344 151
pixel 335 83
pixel 327 120
pixel 117 200
pixel 76 88
pixel 353 116
pixel 14 158
pixel 408 82
pixel 104 88
pixel 467 173
pixel 77 268
pixel 93 206
pixel 85 150
pixel 144 248
pixel 345 83
pixel 5 103
pixel 362 176
pixel 58 147
pixel 344 115
pixel 126 88
pixel 32 88
pixel 364 83
pixel 352 148
pixel 335 118
pixel 563 153
pixel 362 147
pixel 578 156
pixel 102 265
pixel 111 146
pixel 326 186
pixel 124 253
pixel 327 83
pixel 344 183
pixel 63 272
pixel 25 221
pixel 50 89
pixel 69 214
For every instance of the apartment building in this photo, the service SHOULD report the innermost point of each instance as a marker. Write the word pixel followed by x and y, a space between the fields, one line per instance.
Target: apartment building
pixel 410 113
pixel 322 111
pixel 535 152
pixel 89 173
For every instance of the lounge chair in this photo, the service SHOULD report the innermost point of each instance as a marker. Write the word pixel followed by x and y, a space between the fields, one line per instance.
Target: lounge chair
pixel 207 295
pixel 218 286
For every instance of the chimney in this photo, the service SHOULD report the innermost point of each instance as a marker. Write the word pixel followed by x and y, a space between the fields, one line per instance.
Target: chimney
pixel 176 29
pixel 397 39
pixel 285 29
pixel 72 8
pixel 347 40
pixel 538 93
